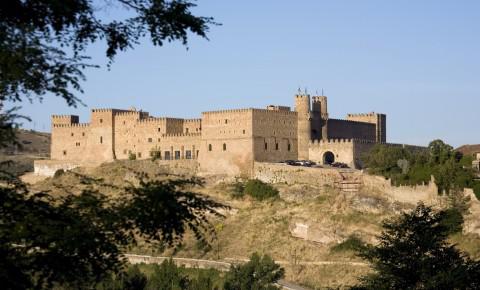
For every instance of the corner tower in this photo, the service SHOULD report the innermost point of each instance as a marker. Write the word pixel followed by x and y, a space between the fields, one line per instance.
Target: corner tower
pixel 319 117
pixel 304 129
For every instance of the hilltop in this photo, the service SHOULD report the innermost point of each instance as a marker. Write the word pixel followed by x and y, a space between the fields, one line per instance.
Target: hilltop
pixel 324 257
pixel 468 149
pixel 31 145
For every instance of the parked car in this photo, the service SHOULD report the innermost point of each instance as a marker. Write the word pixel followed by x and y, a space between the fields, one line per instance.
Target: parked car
pixel 292 163
pixel 339 165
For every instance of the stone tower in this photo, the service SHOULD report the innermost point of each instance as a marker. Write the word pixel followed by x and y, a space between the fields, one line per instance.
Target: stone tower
pixel 304 128
pixel 319 117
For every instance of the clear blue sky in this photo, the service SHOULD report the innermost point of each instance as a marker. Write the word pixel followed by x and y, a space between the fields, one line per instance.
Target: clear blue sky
pixel 416 61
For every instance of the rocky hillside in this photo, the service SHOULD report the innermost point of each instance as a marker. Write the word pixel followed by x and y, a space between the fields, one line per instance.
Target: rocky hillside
pixel 469 149
pixel 31 145
pixel 309 229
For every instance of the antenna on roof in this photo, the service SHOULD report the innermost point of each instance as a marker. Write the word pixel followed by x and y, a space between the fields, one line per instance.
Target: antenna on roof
pixel 322 92
pixel 299 90
pixel 306 90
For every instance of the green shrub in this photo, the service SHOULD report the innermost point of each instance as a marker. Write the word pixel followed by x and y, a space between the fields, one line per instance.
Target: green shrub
pixel 476 189
pixel 132 156
pixel 131 279
pixel 167 276
pixel 261 272
pixel 259 190
pixel 352 243
pixel 155 154
pixel 238 190
pixel 453 220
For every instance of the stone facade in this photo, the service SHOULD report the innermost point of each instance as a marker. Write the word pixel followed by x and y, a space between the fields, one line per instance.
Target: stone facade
pixel 220 142
pixel 476 161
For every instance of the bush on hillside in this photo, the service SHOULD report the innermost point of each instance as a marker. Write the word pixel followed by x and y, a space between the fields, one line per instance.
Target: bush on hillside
pixel 155 154
pixel 261 272
pixel 131 279
pixel 407 166
pixel 259 190
pixel 352 243
pixel 238 190
pixel 132 156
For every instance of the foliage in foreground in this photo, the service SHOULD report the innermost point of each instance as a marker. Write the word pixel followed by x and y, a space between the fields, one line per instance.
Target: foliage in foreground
pixel 260 273
pixel 451 170
pixel 255 188
pixel 77 239
pixel 413 253
pixel 164 276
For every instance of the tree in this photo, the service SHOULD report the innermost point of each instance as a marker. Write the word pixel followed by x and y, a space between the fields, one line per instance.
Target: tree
pixel 42 42
pixel 260 273
pixel 78 239
pixel 413 253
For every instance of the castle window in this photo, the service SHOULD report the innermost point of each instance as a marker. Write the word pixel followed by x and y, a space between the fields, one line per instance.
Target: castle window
pixel 139 155
pixel 125 152
pixel 83 133
pixel 224 147
pixel 64 152
pixel 266 146
pixel 101 120
pixel 123 122
pixel 276 146
pixel 167 155
pixel 186 130
pixel 226 121
pixel 158 139
pixel 71 134
pixel 288 147
pixel 77 144
pixel 150 140
pixel 177 155
pixel 188 154
pixel 101 139
pixel 209 147
pixel 159 129
pixel 243 131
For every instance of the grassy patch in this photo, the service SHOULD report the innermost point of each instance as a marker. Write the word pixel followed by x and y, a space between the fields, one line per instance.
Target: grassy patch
pixel 352 243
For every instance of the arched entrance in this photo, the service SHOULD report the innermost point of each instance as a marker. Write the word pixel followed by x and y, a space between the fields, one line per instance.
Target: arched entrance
pixel 328 158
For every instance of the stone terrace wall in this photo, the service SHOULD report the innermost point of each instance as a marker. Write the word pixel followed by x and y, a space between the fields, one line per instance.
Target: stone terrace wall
pixel 49 167
pixel 282 173
pixel 188 263
pixel 427 193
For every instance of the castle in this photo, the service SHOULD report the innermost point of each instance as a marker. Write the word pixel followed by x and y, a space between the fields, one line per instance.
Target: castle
pixel 224 142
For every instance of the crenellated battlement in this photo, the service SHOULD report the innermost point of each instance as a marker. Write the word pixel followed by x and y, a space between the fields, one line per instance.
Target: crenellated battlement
pixel 349 121
pixel 302 96
pixel 73 125
pixel 127 113
pixel 82 125
pixel 371 114
pixel 227 111
pixel 341 141
pixel 177 135
pixel 63 116
pixel 103 110
pixel 192 120
pixel 319 99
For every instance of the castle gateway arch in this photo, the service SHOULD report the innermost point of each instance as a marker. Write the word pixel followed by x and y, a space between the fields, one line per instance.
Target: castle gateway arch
pixel 328 158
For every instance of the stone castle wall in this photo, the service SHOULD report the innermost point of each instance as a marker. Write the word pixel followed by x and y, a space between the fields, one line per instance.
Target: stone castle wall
pixel 223 142
pixel 344 129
